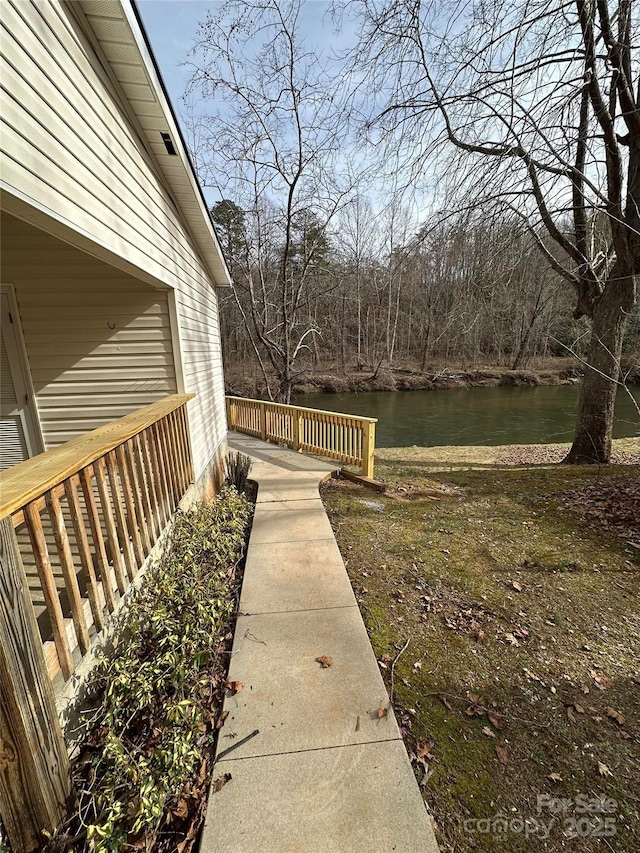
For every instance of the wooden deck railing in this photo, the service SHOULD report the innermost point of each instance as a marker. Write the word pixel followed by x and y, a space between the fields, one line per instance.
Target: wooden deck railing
pixel 87 515
pixel 347 438
pixel 76 525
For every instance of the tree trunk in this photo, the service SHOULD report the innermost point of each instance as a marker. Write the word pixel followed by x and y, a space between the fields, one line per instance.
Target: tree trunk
pixel 522 349
pixel 594 427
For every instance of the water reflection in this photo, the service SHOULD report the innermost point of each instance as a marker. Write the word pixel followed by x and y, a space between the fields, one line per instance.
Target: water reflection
pixel 473 416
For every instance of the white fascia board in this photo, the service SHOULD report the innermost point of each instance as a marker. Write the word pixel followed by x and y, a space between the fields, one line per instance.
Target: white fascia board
pixel 200 222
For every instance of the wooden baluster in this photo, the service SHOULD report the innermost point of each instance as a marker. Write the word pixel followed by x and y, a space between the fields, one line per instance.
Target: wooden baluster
pixel 149 494
pixel 136 485
pixel 68 571
pixel 109 523
pixel 296 422
pixel 168 465
pixel 187 444
pixel 160 477
pixel 174 436
pixel 166 461
pixel 145 486
pixel 174 453
pixel 48 584
pixel 120 514
pixel 154 486
pixel 86 559
pixel 133 524
pixel 263 421
pixel 96 535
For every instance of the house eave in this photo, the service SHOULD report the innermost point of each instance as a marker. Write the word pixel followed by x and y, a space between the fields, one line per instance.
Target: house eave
pixel 120 33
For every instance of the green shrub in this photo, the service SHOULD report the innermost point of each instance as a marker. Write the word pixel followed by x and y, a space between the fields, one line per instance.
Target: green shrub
pixel 157 695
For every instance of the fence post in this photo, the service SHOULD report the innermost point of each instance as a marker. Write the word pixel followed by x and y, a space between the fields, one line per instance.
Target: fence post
pixel 229 421
pixel 35 778
pixel 263 421
pixel 368 448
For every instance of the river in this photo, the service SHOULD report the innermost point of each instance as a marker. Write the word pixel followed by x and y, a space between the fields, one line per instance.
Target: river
pixel 490 416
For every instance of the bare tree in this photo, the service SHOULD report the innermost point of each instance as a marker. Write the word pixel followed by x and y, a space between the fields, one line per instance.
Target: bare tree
pixel 276 146
pixel 539 99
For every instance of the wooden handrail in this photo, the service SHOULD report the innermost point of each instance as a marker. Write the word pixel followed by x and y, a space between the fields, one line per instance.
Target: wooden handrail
pixel 349 439
pixel 29 480
pixel 305 410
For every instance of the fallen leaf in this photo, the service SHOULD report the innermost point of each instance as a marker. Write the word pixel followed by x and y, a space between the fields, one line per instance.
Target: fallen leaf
pixel 578 708
pixel 517 586
pixel 602 681
pixel 495 720
pixel 423 751
pixel 220 782
pixel 221 719
pixel 503 754
pixel 480 636
pixel 235 687
pixel 325 661
pixel 615 715
pixel 572 717
pixel 445 701
pixel 511 639
pixel 181 809
pixel 555 777
pixel 488 732
pixel 603 770
pixel 382 712
pixel 417 664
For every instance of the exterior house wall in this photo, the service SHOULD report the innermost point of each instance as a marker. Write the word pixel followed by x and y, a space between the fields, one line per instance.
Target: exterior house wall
pixel 75 158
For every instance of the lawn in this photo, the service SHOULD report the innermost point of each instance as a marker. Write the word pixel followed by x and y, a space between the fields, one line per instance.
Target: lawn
pixel 501 603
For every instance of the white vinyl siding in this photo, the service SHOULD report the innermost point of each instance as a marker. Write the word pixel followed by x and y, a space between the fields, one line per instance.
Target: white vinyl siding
pixel 202 367
pixel 98 341
pixel 69 145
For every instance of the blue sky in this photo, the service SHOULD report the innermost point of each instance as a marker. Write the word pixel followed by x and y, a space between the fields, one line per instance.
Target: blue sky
pixel 172 25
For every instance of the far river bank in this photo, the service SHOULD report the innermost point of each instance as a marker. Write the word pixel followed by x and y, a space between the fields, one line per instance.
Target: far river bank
pixel 551 372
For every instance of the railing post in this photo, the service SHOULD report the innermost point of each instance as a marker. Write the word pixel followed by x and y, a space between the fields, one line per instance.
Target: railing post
pixel 368 448
pixel 263 421
pixel 229 420
pixel 296 419
pixel 35 779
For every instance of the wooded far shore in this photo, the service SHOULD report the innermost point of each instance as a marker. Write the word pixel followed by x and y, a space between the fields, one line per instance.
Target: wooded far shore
pixel 331 379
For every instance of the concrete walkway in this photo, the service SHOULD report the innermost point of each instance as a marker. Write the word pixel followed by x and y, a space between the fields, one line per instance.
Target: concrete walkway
pixel 325 773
